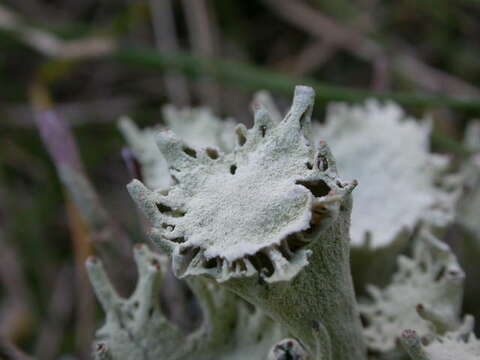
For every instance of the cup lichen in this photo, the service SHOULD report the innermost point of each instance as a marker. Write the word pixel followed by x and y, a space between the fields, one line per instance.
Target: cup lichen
pixel 269 213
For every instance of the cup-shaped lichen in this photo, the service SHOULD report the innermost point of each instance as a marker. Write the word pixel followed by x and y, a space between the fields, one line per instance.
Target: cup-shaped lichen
pixel 383 147
pixel 271 211
pixel 136 327
pixel 458 344
pixel 427 286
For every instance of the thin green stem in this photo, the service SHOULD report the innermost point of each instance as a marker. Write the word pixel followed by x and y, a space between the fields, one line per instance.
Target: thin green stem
pixel 250 77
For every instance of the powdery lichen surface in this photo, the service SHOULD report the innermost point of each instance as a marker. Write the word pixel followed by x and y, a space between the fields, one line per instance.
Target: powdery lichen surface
pixel 154 167
pixel 253 209
pixel 469 205
pixel 427 286
pixel 200 128
pixel 136 329
pixel 355 133
pixel 197 127
pixel 460 343
pixel 288 349
pixel 389 155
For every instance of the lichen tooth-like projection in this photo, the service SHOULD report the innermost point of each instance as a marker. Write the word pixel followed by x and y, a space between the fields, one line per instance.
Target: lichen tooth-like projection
pixel 154 168
pixel 135 326
pixel 460 343
pixel 136 329
pixel 288 349
pixel 264 98
pixel 250 211
pixel 399 159
pixel 469 204
pixel 428 286
pixel 197 127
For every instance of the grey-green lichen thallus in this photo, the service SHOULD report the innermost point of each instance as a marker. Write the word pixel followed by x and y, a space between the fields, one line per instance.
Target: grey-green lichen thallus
pixel 456 344
pixel 269 220
pixel 425 294
pixel 136 327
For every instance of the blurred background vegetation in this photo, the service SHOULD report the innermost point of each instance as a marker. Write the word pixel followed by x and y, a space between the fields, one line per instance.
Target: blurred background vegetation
pixel 85 63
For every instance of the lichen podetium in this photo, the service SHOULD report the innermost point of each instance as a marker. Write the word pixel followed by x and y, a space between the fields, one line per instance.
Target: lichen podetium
pixel 270 220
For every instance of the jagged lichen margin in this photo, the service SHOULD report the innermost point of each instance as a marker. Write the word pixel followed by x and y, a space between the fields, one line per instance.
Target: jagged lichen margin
pixel 135 327
pixel 427 286
pixel 321 210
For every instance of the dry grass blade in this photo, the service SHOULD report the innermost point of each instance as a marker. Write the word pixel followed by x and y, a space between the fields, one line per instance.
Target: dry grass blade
pixel 52 330
pixel 319 25
pixel 163 20
pixel 204 39
pixel 89 221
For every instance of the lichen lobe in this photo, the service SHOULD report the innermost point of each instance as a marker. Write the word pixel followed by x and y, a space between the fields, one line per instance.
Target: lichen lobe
pixel 250 211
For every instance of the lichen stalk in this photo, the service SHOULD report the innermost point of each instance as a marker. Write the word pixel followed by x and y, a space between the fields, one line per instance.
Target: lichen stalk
pixel 269 220
pixel 425 295
pixel 460 343
pixel 320 295
pixel 136 328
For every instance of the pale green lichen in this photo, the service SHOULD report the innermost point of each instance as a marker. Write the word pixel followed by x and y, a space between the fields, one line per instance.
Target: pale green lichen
pixel 200 128
pixel 135 327
pixel 389 154
pixel 197 127
pixel 142 143
pixel 288 349
pixel 460 343
pixel 251 217
pixel 230 212
pixel 472 136
pixel 469 204
pixel 263 212
pixel 427 286
pixel 355 133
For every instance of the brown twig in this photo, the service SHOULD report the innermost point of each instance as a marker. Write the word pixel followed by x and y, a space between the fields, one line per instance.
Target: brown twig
pixel 15 312
pixel 310 58
pixel 60 308
pixel 431 79
pixel 203 36
pixel 317 24
pixel 51 45
pixel 107 237
pixel 163 22
pixel 75 113
pixel 381 78
pixel 64 153
pixel 37 10
pixel 235 101
pixel 9 351
pixel 85 302
pixel 89 221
